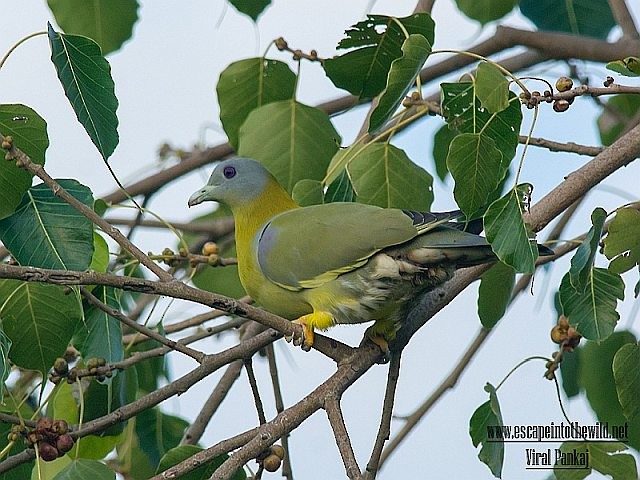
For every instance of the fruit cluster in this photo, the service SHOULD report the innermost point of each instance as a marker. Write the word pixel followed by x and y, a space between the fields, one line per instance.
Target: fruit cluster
pixel 271 458
pixel 50 437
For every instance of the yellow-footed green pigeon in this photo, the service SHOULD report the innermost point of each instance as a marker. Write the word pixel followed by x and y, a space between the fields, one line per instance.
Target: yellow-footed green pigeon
pixel 339 262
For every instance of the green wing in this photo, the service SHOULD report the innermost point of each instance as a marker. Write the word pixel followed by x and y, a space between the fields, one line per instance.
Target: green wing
pixel 306 247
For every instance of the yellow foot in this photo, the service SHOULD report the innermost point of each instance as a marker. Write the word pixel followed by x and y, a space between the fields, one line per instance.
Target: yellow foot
pixel 308 322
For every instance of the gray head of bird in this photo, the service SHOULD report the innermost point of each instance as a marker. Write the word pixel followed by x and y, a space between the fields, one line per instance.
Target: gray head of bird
pixel 234 182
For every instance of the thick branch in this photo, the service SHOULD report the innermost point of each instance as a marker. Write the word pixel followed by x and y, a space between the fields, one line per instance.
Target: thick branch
pixel 175 289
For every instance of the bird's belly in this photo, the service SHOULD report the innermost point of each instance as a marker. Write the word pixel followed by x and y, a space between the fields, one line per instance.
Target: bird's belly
pixel 280 301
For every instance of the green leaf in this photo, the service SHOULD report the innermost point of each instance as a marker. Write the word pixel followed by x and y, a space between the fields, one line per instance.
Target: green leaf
pixel 592 311
pixel 377 42
pixel 47 232
pixel 383 175
pixel 5 366
pixel 203 472
pixel 39 319
pixel 569 371
pixel 488 417
pixel 582 260
pixel 100 258
pixel 248 84
pixel 596 376
pixel 340 190
pixel 86 79
pixel 294 141
pixel 29 132
pixel 474 163
pixel 101 334
pixel 603 457
pixel 103 398
pixel 613 120
pixel 626 369
pixel 158 433
pixel 509 236
pixel 308 192
pixel 485 11
pixel 109 23
pixel 492 88
pixel 441 141
pixel 50 470
pixel 494 295
pixel 579 17
pixel 463 111
pixel 251 8
pixel 622 244
pixel 82 468
pixel 402 75
pixel 629 67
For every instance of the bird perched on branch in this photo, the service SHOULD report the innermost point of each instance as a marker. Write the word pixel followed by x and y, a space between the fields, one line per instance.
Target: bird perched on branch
pixel 336 263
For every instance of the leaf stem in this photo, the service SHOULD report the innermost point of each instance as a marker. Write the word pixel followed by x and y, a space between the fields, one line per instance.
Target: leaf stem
pixel 17 44
pixel 526 360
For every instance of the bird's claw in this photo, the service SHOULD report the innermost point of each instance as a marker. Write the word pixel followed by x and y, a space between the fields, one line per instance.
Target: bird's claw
pixel 305 339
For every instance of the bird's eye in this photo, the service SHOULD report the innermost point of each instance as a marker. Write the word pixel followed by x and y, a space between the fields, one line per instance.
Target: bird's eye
pixel 229 172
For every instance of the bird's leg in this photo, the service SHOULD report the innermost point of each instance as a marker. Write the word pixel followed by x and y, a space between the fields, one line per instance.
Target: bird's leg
pixel 318 319
pixel 380 333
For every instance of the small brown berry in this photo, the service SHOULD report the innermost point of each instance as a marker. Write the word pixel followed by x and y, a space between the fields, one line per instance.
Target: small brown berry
pixel 60 366
pixel 92 364
pixel 44 423
pixel 561 105
pixel 210 248
pixel 608 82
pixel 271 463
pixel 558 334
pixel 278 451
pixel 563 322
pixel 64 443
pixel 47 452
pixel 60 426
pixel 33 437
pixel 563 84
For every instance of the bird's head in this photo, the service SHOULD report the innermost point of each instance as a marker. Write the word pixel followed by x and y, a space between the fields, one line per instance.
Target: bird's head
pixel 235 182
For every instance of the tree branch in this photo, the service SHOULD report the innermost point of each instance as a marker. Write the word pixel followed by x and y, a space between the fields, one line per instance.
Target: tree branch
pixel 340 433
pixel 194 432
pixel 287 471
pixel 24 161
pixel 122 318
pixel 623 18
pixel 384 431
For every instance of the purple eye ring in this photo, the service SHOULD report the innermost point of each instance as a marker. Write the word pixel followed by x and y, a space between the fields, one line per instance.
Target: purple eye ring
pixel 229 172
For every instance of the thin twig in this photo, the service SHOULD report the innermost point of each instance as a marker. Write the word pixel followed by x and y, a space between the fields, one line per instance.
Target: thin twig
pixel 287 471
pixel 214 228
pixel 194 432
pixel 569 147
pixel 195 321
pixel 38 170
pixel 248 365
pixel 336 420
pixel 118 315
pixel 387 413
